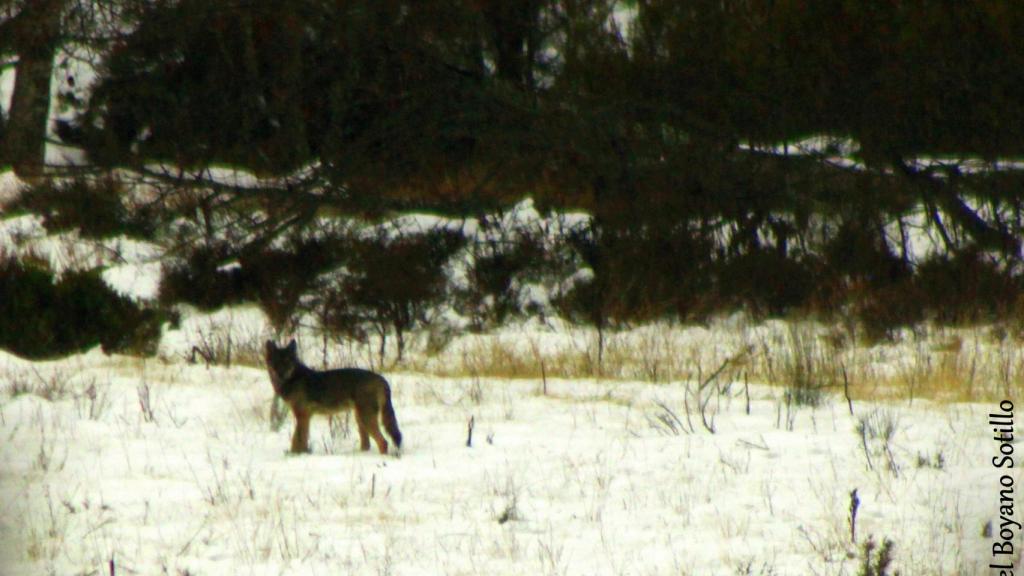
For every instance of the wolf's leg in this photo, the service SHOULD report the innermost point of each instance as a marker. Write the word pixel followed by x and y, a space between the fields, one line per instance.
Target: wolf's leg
pixel 368 427
pixel 373 427
pixel 300 439
pixel 364 436
pixel 382 444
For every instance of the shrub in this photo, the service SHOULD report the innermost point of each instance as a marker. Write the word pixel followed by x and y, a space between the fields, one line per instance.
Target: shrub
pixel 218 275
pixel 882 311
pixel 115 321
pixel 279 277
pixel 966 288
pixel 203 281
pixel 493 295
pixel 864 257
pixel 394 285
pixel 639 275
pixel 766 282
pixel 40 318
pixel 28 308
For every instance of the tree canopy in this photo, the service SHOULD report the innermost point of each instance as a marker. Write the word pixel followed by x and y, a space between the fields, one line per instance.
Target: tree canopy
pixel 744 136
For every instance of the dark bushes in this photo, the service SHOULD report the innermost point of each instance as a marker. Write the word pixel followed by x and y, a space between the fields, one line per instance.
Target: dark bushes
pixel 397 282
pixel 639 276
pixel 41 318
pixel 767 283
pixel 278 278
pixel 966 288
pixel 203 280
pixel 391 285
pixel 495 278
pixel 388 285
pixel 28 309
pixel 882 310
pixel 217 275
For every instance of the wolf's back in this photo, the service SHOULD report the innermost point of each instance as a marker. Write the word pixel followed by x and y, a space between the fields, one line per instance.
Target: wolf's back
pixel 339 388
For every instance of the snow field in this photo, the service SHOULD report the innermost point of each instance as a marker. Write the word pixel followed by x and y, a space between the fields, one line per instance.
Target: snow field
pixel 172 468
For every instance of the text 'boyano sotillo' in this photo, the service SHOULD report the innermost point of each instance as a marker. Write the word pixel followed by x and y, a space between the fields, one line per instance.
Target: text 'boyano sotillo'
pixel 1002 547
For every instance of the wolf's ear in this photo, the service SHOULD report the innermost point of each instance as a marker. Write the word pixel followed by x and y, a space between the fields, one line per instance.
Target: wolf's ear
pixel 292 346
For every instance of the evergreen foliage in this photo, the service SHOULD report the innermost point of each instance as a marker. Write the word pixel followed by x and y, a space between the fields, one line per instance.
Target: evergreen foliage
pixel 44 318
pixel 674 123
pixel 96 210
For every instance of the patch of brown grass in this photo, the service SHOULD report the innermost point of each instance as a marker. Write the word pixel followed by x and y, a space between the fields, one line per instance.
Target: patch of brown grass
pixel 966 365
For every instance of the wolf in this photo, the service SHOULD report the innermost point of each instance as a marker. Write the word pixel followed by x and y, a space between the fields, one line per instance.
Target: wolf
pixel 308 392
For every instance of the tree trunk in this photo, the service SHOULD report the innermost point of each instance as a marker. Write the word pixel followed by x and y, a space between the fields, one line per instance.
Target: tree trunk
pixel 36 38
pixel 383 346
pixel 511 25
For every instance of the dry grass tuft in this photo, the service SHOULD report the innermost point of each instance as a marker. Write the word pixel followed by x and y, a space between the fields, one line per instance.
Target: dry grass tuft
pixel 810 360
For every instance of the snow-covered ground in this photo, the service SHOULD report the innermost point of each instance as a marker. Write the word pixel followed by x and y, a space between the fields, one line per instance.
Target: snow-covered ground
pixel 168 468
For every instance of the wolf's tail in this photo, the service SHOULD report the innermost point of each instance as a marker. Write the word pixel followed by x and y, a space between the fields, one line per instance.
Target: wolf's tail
pixel 388 416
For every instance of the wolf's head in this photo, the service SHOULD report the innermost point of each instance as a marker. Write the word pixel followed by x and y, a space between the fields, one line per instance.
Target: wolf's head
pixel 281 363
